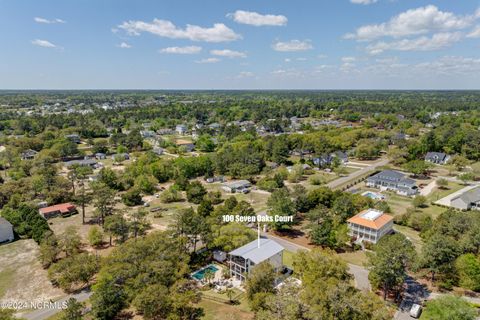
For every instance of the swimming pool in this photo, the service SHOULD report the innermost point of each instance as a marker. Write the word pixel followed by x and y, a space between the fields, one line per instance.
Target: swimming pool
pixel 200 274
pixel 373 195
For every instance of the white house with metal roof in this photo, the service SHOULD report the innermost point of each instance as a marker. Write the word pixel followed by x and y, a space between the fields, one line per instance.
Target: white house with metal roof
pixel 244 259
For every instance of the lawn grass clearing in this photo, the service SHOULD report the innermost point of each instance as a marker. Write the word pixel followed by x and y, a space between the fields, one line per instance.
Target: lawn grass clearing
pixel 358 258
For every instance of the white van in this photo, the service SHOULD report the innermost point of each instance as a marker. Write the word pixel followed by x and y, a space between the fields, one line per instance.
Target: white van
pixel 416 311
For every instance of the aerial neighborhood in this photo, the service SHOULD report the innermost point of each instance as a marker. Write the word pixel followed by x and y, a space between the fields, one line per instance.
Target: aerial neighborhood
pixel 237 204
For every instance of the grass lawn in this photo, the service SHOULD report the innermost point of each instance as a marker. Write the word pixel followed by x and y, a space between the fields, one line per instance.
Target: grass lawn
pixel 222 311
pixel 358 258
pixel 411 234
pixel 438 193
pixel 288 259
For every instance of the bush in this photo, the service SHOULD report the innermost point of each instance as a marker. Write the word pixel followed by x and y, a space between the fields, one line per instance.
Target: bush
pixel 315 181
pixel 195 192
pixel 132 197
pixel 95 236
pixel 171 195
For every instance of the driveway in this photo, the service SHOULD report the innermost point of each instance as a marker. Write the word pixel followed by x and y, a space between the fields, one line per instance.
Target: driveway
pixel 46 313
pixel 445 201
pixel 428 188
pixel 360 274
pixel 354 175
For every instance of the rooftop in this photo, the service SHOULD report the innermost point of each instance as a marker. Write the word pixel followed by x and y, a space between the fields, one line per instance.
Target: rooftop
pixel 63 207
pixel 251 251
pixel 371 218
pixel 4 221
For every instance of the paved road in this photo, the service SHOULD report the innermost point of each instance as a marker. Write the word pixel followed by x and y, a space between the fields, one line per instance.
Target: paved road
pixel 417 293
pixel 41 314
pixel 360 274
pixel 352 176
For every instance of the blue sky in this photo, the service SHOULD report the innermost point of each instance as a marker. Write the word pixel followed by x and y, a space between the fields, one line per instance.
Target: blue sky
pixel 240 44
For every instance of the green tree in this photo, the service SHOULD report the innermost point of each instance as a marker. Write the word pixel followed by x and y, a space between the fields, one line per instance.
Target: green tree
pixel 95 236
pixel 260 280
pixel 70 241
pixel 448 308
pixel 280 205
pixel 74 310
pixel 195 192
pixel 417 167
pixel 439 253
pixel 232 236
pixel 74 271
pixel 116 226
pixel 419 201
pixel 103 201
pixel 389 263
pixel 139 223
pixel 468 270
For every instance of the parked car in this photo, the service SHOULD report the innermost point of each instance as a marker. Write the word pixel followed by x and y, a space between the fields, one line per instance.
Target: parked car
pixel 416 311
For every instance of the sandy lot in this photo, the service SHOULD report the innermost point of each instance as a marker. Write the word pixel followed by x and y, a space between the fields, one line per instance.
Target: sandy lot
pixel 22 277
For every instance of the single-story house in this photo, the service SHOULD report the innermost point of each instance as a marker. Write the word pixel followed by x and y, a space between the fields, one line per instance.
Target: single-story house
pixel 370 225
pixel 242 260
pixel 323 161
pixel 393 180
pixel 181 129
pixel 158 151
pixel 187 145
pixel 342 156
pixel 147 134
pixel 469 200
pixel 28 154
pixel 100 156
pixel 437 157
pixel 82 163
pixel 63 209
pixel 6 230
pixel 236 186
pixel 73 137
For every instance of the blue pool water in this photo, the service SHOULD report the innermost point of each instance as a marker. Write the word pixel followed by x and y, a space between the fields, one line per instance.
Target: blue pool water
pixel 372 195
pixel 200 274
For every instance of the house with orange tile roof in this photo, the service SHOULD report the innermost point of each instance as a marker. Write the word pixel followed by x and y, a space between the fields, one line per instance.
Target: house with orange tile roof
pixel 63 209
pixel 370 225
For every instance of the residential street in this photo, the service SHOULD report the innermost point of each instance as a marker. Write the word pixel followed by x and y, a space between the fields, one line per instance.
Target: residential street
pixel 360 273
pixel 41 314
pixel 352 176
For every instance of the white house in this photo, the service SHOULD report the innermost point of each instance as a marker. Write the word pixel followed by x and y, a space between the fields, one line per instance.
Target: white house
pixel 181 129
pixel 6 230
pixel 370 225
pixel 469 200
pixel 244 259
pixel 236 186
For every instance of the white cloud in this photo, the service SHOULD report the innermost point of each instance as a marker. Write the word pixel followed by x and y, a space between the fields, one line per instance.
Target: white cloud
pixel 301 59
pixel 436 42
pixel 245 74
pixel 208 60
pixel 292 45
pixel 348 59
pixel 322 56
pixel 164 28
pixel 181 50
pixel 124 45
pixel 257 19
pixel 475 33
pixel 365 2
pixel 43 20
pixel 228 53
pixel 450 65
pixel 414 22
pixel 43 43
pixel 288 60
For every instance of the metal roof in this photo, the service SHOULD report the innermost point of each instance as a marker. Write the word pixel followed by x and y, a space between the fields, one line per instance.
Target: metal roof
pixel 251 251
